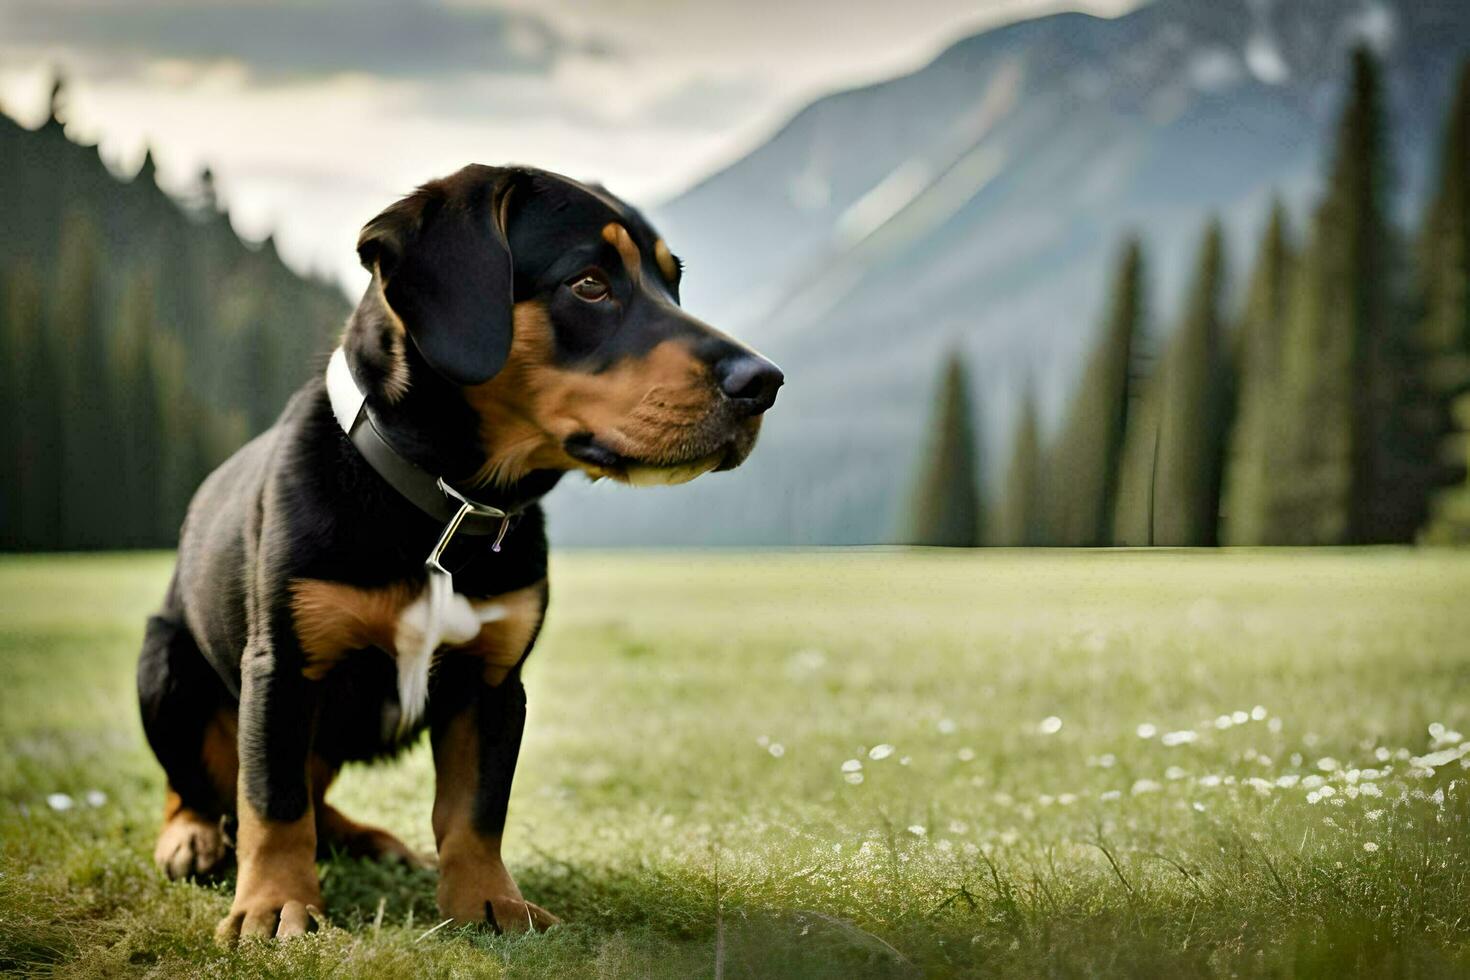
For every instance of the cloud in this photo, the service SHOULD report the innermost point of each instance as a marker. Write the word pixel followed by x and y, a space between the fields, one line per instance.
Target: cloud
pixel 283 40
pixel 314 114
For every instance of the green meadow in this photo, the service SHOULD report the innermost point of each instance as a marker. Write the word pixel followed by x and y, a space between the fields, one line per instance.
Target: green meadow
pixel 839 764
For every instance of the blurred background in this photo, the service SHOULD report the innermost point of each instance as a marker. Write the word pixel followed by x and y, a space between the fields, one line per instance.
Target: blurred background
pixel 1187 272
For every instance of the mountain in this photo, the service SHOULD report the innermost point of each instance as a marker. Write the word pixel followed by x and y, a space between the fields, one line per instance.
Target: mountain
pixel 977 203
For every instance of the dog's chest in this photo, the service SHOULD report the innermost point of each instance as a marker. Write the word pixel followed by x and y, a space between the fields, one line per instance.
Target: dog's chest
pixel 413 623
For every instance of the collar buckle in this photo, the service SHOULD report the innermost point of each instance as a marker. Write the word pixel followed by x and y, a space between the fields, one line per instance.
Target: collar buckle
pixel 466 508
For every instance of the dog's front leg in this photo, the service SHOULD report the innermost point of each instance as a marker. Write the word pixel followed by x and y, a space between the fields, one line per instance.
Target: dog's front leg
pixel 277 890
pixel 477 737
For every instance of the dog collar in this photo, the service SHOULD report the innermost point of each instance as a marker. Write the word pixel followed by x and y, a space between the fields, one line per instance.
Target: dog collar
pixel 429 493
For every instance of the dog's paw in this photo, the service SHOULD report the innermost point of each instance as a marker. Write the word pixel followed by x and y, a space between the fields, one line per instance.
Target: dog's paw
pixel 190 846
pixel 269 920
pixel 502 913
pixel 475 887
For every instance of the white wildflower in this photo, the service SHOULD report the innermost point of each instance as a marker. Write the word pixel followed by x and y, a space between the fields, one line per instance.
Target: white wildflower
pixel 777 750
pixel 60 802
pixel 1369 846
pixel 1441 758
pixel 1050 725
pixel 1146 730
pixel 852 765
pixel 1183 737
pixel 1142 786
pixel 880 751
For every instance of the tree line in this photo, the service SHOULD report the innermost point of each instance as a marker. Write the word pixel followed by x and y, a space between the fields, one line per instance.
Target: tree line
pixel 141 342
pixel 1330 405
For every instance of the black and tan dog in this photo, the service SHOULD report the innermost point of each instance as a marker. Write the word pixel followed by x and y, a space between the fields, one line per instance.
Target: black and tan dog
pixel 519 325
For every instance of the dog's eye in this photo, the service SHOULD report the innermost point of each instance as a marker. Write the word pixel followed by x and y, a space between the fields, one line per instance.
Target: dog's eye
pixel 590 287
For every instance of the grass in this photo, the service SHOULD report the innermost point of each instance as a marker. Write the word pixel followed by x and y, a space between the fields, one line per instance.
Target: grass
pixel 1148 764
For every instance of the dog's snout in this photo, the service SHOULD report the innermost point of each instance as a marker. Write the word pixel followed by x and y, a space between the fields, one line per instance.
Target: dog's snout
pixel 750 381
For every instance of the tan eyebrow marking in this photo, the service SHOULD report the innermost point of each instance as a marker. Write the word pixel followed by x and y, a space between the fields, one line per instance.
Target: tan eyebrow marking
pixel 617 236
pixel 665 259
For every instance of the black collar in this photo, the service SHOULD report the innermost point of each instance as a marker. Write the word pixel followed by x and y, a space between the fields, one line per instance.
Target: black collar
pixel 431 494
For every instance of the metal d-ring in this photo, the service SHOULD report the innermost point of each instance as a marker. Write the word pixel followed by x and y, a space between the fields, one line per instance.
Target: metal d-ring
pixel 466 508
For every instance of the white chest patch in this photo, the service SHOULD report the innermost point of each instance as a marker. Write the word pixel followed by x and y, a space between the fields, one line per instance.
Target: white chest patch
pixel 439 617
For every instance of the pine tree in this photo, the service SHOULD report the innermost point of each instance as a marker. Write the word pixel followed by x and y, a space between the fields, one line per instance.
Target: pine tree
pixel 1444 332
pixel 1450 509
pixel 208 195
pixel 1354 466
pixel 1196 411
pixel 1019 520
pixel 1084 467
pixel 79 345
pixel 13 356
pixel 1259 350
pixel 946 501
pixel 1169 488
pixel 178 434
pixel 136 405
pixel 38 427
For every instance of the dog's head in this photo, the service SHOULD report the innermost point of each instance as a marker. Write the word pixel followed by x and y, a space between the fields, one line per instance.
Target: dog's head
pixel 552 309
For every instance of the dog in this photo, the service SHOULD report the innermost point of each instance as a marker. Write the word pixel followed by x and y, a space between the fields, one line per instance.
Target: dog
pixel 374 564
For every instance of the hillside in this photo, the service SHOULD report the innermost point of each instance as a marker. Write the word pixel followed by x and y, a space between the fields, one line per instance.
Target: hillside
pixel 142 340
pixel 977 202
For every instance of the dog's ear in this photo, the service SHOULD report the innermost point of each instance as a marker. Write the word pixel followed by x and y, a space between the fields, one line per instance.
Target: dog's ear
pixel 445 268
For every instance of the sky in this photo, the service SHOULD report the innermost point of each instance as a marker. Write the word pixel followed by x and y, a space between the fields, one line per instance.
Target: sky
pixel 315 115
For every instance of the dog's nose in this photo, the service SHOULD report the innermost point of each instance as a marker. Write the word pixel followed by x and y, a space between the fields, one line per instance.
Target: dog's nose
pixel 750 381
